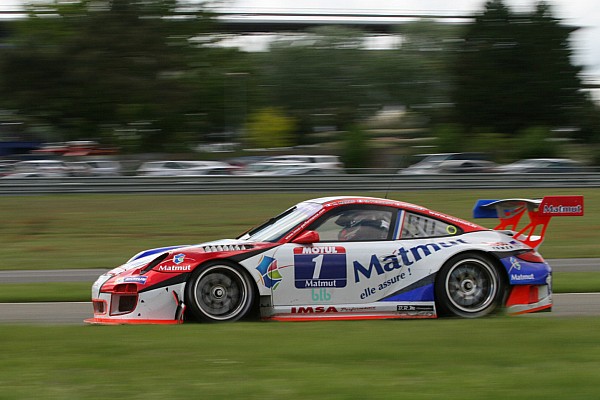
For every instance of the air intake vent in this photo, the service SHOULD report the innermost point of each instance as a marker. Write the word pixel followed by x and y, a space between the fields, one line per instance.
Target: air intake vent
pixel 226 247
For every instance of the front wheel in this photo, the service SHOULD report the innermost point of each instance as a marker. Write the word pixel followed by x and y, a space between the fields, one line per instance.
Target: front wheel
pixel 219 292
pixel 469 286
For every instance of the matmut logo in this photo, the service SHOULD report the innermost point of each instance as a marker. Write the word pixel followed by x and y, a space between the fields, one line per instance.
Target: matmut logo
pixel 562 209
pixel 567 206
pixel 402 258
pixel 313 310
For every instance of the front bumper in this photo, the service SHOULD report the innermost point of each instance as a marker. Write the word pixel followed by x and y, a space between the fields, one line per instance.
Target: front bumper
pixel 163 305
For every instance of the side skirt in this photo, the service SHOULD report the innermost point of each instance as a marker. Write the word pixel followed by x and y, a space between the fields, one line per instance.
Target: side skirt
pixel 368 311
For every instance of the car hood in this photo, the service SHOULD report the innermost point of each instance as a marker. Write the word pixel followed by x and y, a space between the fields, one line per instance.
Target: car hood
pixel 217 246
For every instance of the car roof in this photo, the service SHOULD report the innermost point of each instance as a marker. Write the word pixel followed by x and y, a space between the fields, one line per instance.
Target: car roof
pixel 336 201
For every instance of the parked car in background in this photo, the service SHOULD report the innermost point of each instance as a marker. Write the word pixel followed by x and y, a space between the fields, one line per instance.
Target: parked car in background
pixel 294 165
pixel 184 168
pixel 466 166
pixel 327 163
pixel 267 168
pixel 75 148
pixel 47 168
pixel 28 175
pixel 541 165
pixel 96 168
pixel 52 149
pixel 7 167
pixel 430 163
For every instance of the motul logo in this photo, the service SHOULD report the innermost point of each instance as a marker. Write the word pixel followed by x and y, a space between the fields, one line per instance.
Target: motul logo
pixel 313 310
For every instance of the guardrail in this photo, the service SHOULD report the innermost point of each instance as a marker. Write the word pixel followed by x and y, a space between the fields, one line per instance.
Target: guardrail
pixel 271 184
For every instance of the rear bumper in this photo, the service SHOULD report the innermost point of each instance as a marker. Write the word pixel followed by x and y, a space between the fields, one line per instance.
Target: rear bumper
pixel 525 299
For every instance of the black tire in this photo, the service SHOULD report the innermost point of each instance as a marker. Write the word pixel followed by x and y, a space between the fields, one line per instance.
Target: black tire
pixel 219 292
pixel 469 286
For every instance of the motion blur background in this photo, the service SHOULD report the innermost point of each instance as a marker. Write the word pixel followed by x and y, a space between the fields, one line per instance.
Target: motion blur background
pixel 374 83
pixel 111 87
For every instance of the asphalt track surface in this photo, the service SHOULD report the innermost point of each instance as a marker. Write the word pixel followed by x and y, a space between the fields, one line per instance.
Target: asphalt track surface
pixel 565 305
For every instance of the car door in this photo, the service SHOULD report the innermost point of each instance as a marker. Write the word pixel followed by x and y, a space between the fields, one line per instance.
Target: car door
pixel 355 243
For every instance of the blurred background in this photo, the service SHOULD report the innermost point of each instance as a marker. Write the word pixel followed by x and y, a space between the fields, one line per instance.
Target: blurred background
pixel 163 87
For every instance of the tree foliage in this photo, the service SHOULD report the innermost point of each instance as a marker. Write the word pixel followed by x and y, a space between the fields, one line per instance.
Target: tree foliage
pixel 515 71
pixel 139 74
pixel 106 68
pixel 270 127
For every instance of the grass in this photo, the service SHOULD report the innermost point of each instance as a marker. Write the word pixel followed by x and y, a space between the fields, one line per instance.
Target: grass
pixel 101 231
pixel 491 358
pixel 40 292
pixel 576 282
pixel 494 358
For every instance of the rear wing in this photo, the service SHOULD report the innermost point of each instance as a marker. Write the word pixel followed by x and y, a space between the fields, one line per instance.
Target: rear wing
pixel 540 211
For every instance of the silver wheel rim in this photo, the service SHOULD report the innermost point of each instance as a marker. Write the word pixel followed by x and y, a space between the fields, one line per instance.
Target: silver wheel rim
pixel 471 285
pixel 221 293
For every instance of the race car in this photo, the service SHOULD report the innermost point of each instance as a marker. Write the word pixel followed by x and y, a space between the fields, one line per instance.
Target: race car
pixel 345 258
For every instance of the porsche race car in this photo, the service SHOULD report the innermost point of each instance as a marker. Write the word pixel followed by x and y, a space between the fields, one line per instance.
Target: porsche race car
pixel 343 258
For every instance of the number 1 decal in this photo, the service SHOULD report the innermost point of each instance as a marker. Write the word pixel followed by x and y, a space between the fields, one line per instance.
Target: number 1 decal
pixel 320 267
pixel 318 261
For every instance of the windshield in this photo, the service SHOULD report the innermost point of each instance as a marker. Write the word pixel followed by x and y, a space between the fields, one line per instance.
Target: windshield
pixel 276 228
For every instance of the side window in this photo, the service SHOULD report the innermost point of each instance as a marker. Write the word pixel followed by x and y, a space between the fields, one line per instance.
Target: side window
pixel 414 226
pixel 355 224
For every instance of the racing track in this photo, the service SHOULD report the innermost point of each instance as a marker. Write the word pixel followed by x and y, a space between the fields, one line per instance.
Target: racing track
pixel 565 305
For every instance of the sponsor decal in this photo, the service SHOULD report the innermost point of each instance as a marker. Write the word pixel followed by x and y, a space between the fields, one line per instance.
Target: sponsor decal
pixel 563 209
pixel 503 246
pixel 522 277
pixel 562 206
pixel 178 258
pixel 357 309
pixel 404 308
pixel 385 284
pixel 133 279
pixel 523 272
pixel 313 310
pixel 177 264
pixel 175 268
pixel 320 295
pixel 309 271
pixel 514 264
pixel 403 258
pixel 269 272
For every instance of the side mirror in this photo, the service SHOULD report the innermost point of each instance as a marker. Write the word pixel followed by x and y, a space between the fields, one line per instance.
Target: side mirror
pixel 307 237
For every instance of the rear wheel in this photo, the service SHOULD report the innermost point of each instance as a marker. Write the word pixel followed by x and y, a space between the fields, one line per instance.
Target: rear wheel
pixel 469 286
pixel 219 292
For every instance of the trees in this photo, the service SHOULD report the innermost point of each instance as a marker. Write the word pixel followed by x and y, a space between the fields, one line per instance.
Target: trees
pixel 515 71
pixel 138 73
pixel 270 127
pixel 110 69
pixel 321 72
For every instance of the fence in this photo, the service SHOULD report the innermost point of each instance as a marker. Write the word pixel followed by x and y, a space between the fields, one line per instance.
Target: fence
pixel 270 184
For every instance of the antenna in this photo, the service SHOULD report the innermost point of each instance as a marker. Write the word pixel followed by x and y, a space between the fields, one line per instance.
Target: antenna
pixel 387 192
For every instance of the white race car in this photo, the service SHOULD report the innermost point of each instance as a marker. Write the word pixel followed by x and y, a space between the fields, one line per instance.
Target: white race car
pixel 340 258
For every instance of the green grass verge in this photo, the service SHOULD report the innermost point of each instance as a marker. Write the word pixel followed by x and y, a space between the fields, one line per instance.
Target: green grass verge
pixel 576 282
pixel 102 231
pixel 493 358
pixel 564 282
pixel 42 292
